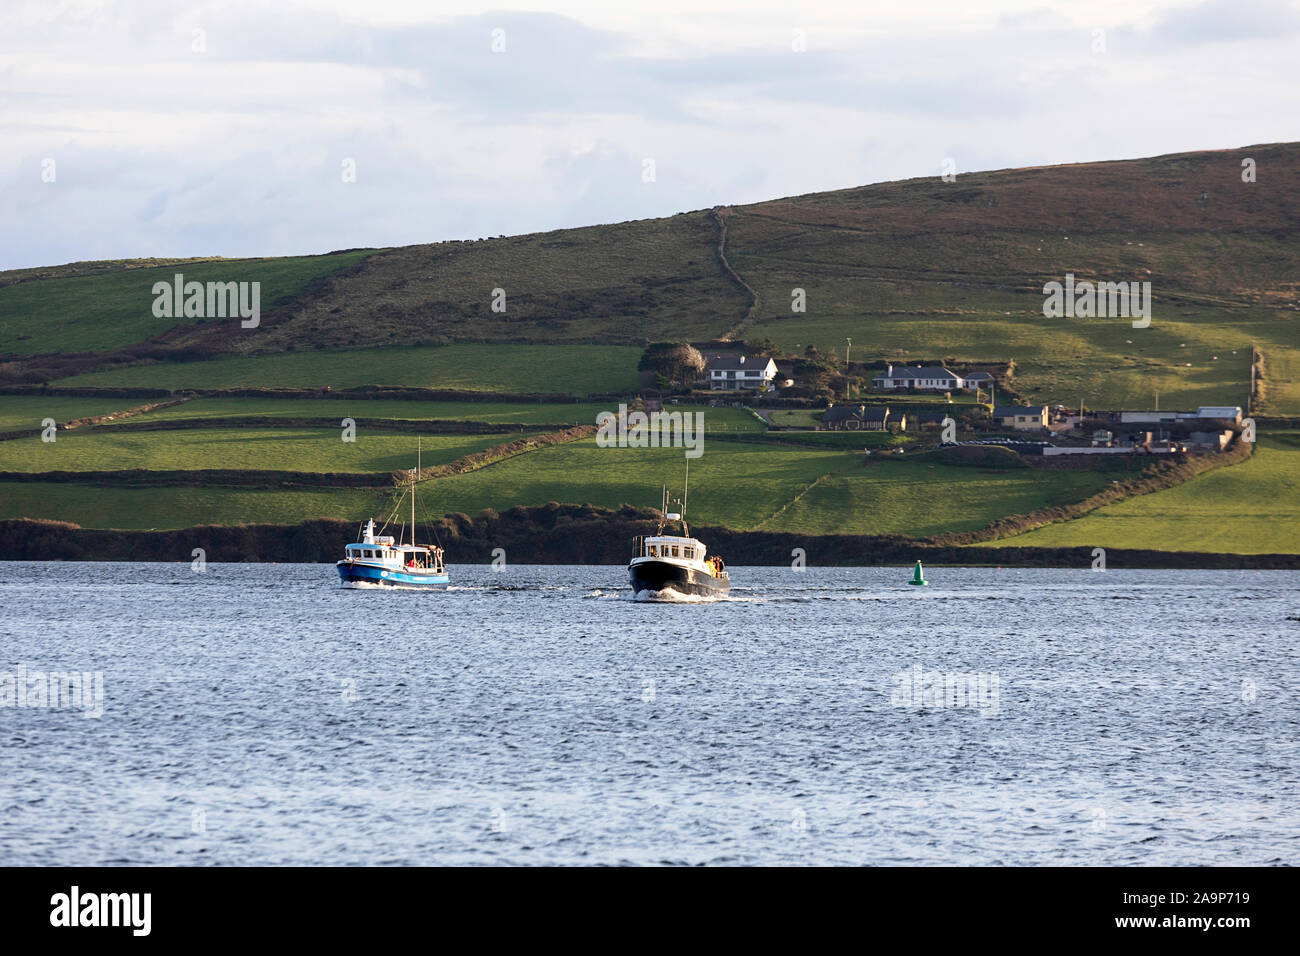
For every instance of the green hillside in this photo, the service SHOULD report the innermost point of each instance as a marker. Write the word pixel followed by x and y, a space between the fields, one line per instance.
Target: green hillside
pixel 921 270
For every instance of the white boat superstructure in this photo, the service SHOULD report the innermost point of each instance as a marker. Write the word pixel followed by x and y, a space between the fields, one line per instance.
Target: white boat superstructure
pixel 683 552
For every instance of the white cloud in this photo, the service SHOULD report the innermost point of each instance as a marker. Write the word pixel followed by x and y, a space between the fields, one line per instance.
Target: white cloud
pixel 237 149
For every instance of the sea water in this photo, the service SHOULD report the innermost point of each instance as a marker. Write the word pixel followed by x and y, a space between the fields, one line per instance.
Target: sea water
pixel 261 714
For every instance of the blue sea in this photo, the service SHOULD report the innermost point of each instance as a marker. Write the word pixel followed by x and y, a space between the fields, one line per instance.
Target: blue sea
pixel 260 714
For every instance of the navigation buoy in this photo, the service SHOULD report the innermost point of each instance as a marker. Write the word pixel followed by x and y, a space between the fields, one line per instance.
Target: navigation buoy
pixel 917 577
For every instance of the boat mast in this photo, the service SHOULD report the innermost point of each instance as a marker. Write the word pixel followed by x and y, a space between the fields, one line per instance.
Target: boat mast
pixel 685 491
pixel 413 479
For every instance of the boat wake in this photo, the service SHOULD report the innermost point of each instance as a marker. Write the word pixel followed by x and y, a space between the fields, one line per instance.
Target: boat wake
pixel 669 596
pixel 371 586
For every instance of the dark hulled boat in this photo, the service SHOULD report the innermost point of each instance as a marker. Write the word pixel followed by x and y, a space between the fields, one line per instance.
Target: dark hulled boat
pixel 665 566
pixel 668 565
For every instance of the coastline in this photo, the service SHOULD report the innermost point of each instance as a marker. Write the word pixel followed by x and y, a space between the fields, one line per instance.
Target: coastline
pixel 569 534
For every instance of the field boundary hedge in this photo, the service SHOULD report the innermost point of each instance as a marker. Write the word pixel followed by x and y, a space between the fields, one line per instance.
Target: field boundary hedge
pixel 94 420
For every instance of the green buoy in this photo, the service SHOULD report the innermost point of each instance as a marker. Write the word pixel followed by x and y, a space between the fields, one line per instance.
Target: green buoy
pixel 917 578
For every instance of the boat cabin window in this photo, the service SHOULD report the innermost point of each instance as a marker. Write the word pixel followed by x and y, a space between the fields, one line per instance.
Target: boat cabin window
pixel 675 551
pixel 652 550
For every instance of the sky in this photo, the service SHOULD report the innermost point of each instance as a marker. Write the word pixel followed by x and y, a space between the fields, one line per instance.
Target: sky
pixel 134 128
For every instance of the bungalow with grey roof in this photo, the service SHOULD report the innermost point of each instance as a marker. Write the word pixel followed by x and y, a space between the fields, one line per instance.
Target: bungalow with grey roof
pixel 871 418
pixel 928 377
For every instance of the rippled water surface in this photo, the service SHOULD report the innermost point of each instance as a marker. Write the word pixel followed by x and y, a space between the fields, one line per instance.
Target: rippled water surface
pixel 259 714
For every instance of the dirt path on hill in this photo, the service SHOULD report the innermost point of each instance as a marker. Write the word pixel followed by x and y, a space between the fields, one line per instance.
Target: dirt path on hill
pixel 719 214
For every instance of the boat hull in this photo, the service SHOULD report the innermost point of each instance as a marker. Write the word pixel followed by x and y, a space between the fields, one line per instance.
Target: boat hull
pixel 353 575
pixel 663 576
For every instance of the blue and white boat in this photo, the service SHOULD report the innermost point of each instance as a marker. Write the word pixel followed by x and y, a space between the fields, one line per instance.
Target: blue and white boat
pixel 377 561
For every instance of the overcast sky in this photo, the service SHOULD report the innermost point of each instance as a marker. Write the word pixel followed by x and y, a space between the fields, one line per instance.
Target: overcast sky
pixel 464 120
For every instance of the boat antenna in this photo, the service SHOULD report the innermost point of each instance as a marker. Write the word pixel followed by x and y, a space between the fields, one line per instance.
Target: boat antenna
pixel 686 488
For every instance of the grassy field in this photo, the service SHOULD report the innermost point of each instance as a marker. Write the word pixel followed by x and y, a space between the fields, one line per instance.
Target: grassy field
pixel 583 473
pixel 579 472
pixel 28 411
pixel 799 489
pixel 559 413
pixel 552 369
pixel 894 497
pixel 795 417
pixel 113 308
pixel 915 498
pixel 143 509
pixel 286 449
pixel 1250 508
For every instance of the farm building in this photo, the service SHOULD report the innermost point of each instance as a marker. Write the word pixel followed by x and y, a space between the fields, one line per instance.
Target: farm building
pixel 1230 413
pixel 1023 417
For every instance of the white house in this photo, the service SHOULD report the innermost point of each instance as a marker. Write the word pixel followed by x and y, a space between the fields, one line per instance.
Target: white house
pixel 740 371
pixel 930 377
